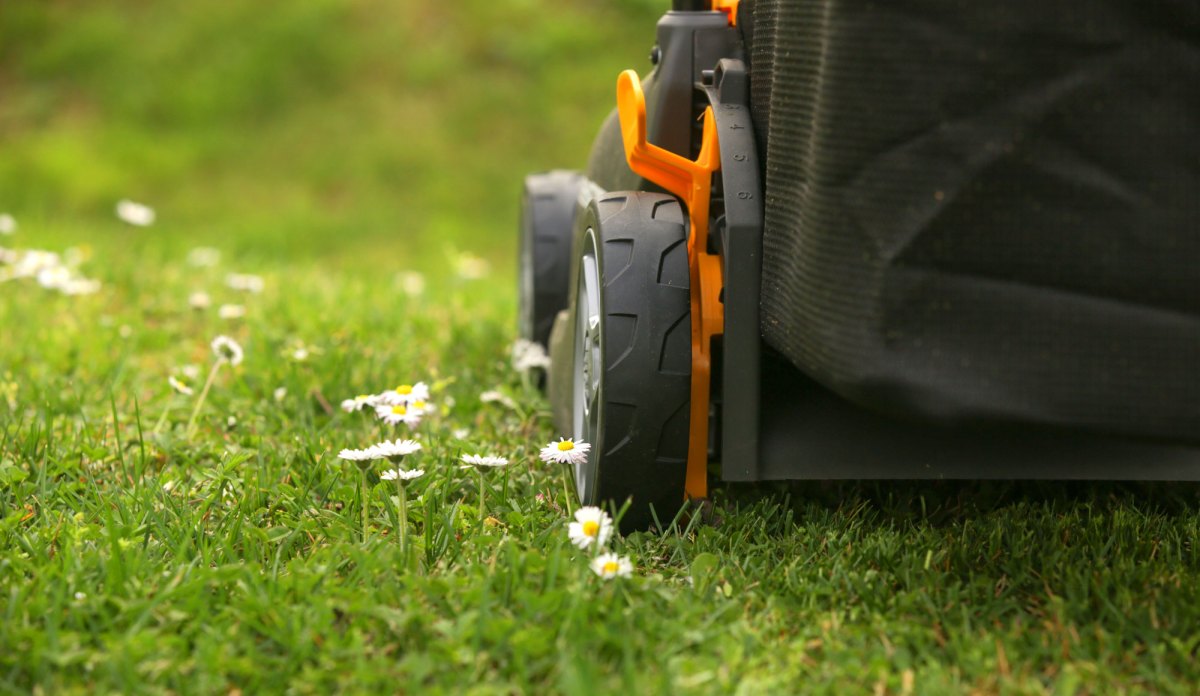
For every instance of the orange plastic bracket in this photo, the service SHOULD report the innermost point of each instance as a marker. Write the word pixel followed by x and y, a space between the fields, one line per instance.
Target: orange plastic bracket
pixel 691 181
pixel 729 7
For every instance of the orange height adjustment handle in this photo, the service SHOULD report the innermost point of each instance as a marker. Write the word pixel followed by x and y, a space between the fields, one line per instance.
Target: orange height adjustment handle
pixel 691 181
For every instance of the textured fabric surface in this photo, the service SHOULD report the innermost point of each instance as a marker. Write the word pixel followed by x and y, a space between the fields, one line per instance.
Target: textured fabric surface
pixel 986 211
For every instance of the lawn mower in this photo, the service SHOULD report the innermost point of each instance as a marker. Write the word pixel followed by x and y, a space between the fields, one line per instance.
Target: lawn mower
pixel 851 240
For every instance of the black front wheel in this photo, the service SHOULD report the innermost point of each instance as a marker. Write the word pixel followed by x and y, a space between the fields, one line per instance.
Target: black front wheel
pixel 632 355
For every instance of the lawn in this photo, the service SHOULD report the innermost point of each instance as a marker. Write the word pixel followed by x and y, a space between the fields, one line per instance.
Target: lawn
pixel 364 160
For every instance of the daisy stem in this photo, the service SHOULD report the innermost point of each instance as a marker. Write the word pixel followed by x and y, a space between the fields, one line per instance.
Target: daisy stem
pixel 403 535
pixel 212 376
pixel 161 420
pixel 566 491
pixel 399 514
pixel 363 484
pixel 482 507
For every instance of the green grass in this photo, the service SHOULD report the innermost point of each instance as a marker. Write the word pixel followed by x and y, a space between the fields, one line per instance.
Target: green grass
pixel 327 146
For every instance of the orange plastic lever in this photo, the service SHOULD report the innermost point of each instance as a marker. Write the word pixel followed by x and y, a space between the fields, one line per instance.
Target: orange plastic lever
pixel 691 181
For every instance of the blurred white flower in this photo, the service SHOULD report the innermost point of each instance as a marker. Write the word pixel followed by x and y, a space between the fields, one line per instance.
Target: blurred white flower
pixel 246 282
pixel 591 526
pixel 470 267
pixel 191 371
pixel 179 386
pixel 394 414
pixel 300 354
pixel 199 300
pixel 135 213
pixel 227 350
pixel 405 394
pixel 565 451
pixel 80 286
pixel 461 433
pixel 411 283
pixel 610 565
pixel 280 393
pixel 497 397
pixel 54 277
pixel 527 355
pixel 8 224
pixel 358 402
pixel 202 257
pixel 231 311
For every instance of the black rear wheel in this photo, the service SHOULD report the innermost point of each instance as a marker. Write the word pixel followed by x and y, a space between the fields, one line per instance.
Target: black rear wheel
pixel 632 355
pixel 547 218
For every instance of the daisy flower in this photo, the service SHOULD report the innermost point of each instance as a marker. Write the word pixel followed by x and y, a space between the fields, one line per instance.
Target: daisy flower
pixel 227 350
pixel 135 213
pixel 610 565
pixel 484 461
pixel 280 393
pixel 401 474
pixel 527 355
pixel 359 455
pixel 493 396
pixel 470 267
pixel 411 282
pixel 357 403
pixel 231 311
pixel 565 451
pixel 201 257
pixel 398 413
pixel 406 394
pixel 199 300
pixel 80 286
pixel 8 224
pixel 179 386
pixel 246 282
pixel 591 526
pixel 395 449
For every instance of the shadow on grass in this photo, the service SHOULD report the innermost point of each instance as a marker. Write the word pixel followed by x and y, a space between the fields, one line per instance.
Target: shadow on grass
pixel 941 503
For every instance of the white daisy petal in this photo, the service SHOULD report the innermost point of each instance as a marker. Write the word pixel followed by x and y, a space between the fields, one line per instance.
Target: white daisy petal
pixel 402 474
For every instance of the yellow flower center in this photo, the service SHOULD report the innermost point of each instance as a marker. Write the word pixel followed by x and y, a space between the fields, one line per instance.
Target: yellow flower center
pixel 418 404
pixel 611 568
pixel 363 397
pixel 399 410
pixel 591 528
pixel 404 389
pixel 566 446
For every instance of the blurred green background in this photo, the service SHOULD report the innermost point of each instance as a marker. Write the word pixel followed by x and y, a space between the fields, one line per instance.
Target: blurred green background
pixel 339 131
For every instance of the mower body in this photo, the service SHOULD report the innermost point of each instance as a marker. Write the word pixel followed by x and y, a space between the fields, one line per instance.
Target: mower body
pixel 956 242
